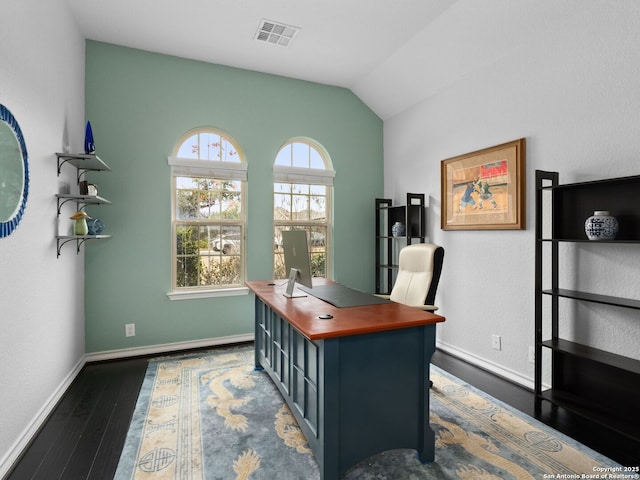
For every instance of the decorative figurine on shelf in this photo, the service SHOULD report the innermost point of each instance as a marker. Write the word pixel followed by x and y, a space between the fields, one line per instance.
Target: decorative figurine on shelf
pixel 80 223
pixel 95 226
pixel 86 188
pixel 89 145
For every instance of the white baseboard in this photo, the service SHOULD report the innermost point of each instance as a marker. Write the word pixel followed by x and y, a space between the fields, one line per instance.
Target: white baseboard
pixel 167 347
pixel 494 368
pixel 38 421
pixel 25 438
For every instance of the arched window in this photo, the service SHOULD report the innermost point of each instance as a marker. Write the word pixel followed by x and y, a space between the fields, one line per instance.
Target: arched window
pixel 302 193
pixel 209 174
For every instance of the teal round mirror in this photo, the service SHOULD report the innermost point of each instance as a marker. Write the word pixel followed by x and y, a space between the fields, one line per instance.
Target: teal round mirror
pixel 14 173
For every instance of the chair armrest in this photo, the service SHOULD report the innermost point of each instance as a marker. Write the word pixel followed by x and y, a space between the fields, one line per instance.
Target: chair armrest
pixel 426 308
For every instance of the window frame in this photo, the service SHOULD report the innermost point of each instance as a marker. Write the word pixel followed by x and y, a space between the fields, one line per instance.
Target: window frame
pixel 208 169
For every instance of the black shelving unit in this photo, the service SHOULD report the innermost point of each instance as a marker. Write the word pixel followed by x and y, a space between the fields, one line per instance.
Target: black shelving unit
pixel 412 215
pixel 599 385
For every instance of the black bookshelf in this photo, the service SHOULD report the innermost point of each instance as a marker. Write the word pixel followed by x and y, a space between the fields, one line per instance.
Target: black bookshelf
pixel 598 385
pixel 412 216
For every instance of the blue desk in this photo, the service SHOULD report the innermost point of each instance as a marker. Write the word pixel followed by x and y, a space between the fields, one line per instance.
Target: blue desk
pixel 357 384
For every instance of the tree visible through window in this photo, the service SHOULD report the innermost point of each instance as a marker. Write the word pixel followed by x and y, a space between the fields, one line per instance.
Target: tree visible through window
pixel 301 201
pixel 208 212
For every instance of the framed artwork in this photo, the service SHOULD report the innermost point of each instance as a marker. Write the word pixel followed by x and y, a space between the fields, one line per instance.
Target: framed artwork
pixel 485 190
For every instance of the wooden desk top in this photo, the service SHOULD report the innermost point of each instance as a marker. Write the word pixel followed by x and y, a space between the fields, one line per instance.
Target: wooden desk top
pixel 302 313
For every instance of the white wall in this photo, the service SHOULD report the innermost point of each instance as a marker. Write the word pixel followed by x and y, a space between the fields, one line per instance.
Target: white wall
pixel 573 93
pixel 41 297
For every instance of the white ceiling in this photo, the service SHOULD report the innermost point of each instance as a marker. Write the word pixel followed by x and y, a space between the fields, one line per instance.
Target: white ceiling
pixel 391 53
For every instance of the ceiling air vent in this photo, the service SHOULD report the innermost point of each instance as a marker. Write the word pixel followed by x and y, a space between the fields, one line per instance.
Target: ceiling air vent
pixel 276 33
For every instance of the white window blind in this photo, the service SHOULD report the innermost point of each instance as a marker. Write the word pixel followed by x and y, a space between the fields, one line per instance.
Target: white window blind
pixel 316 176
pixel 208 168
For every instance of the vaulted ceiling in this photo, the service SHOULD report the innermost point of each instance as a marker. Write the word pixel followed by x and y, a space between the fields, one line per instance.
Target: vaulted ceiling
pixel 393 54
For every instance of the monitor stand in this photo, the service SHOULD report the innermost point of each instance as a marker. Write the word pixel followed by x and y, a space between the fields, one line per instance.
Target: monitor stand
pixel 290 293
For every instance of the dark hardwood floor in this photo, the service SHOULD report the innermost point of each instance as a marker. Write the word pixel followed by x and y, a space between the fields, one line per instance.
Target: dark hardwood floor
pixel 84 435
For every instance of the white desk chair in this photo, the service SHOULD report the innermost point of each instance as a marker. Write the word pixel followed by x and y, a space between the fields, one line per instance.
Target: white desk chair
pixel 418 276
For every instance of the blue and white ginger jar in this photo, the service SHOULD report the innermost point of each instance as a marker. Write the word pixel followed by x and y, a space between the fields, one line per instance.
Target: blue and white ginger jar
pixel 398 229
pixel 601 226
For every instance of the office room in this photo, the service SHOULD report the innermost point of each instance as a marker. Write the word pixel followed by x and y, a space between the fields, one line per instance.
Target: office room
pixel 383 107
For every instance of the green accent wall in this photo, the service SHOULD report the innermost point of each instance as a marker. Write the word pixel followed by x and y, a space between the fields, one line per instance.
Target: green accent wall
pixel 140 104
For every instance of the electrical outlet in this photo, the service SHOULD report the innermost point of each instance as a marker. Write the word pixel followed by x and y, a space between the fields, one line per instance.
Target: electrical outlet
pixel 532 354
pixel 496 342
pixel 130 330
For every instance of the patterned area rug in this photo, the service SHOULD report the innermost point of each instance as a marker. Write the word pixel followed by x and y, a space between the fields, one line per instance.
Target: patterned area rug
pixel 211 416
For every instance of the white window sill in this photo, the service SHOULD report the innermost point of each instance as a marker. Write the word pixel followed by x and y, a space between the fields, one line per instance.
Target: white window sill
pixel 194 294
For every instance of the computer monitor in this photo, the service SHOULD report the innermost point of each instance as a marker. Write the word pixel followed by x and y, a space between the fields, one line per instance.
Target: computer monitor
pixel 296 260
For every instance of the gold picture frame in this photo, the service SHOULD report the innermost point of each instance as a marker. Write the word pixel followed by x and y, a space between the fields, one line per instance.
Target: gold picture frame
pixel 485 190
